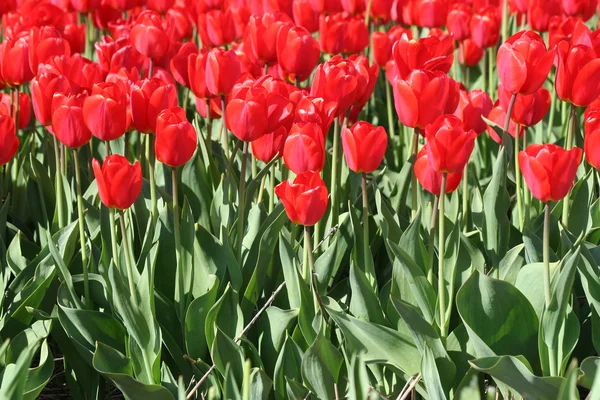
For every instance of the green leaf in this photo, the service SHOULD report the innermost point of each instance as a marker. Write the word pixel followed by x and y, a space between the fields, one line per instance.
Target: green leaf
pixel 511 264
pixel 431 375
pixel 185 258
pixel 38 377
pixel 273 327
pixel 260 385
pixel 218 259
pixel 364 303
pixel 362 259
pixel 195 319
pixel 321 367
pixel 287 366
pixel 499 315
pixel 226 354
pixel 226 314
pixel 119 369
pixel 358 379
pixel 591 369
pixel 290 271
pixel 513 373
pixel 15 374
pixel 568 389
pixel 496 204
pixel 412 244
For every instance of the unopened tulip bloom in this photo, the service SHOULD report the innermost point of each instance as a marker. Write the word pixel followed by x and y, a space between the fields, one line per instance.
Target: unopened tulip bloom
pixel 364 146
pixel 45 43
pixel 471 107
pixel 14 65
pixel 222 71
pixel 149 98
pixel 305 200
pixel 430 13
pixel 549 170
pixel 336 80
pixel 119 182
pixel 270 145
pixel 260 38
pixel 105 111
pixel 458 21
pixel 469 53
pixel 43 87
pixel 498 116
pixel 305 16
pixel 176 137
pixel 304 148
pixel 449 145
pixel 528 110
pixel 9 142
pixel 216 28
pixel 485 27
pixel 317 110
pixel 423 97
pixel 430 179
pixel 247 114
pixel 179 63
pixel 67 120
pixel 297 52
pixel 148 36
pixel 430 54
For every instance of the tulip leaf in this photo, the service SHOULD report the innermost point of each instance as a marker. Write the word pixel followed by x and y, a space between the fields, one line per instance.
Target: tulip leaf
pixel 290 271
pixel 195 322
pixel 226 354
pixel 226 315
pixel 364 303
pixel 287 366
pixel 591 371
pixel 362 257
pixel 431 375
pixel 321 365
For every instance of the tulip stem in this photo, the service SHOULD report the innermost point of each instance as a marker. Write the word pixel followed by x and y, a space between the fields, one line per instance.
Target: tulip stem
pixel 59 185
pixel 16 109
pixel 150 68
pixel 365 200
pixel 526 193
pixel 552 112
pixel 224 124
pixel 308 269
pixel 81 221
pixel 504 30
pixel 150 158
pixel 491 65
pixel 177 232
pixel 334 173
pixel 272 189
pixel 569 146
pixel 128 257
pixel 208 130
pixel 518 181
pixel 391 124
pixel 242 201
pixel 113 237
pixel 413 184
pixel 509 109
pixel 441 255
pixel 465 197
pixel 368 12
pixel 432 226
pixel 547 296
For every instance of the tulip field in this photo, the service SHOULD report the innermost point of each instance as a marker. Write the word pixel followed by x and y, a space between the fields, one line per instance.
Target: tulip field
pixel 299 199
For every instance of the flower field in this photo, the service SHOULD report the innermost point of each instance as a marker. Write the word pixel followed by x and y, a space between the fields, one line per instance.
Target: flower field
pixel 299 199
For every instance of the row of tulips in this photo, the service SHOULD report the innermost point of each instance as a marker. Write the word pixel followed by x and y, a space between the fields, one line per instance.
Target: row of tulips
pixel 130 92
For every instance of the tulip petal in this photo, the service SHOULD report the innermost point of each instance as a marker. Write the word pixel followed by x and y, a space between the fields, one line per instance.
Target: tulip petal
pixel 587 84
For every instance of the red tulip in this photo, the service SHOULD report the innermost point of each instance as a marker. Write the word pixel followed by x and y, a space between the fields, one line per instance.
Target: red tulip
pixel 43 87
pixel 336 80
pixel 560 28
pixel 592 145
pixel 216 28
pixel 549 170
pixel 222 71
pixel 297 52
pixel 471 107
pixel 304 148
pixel 498 116
pixel 180 24
pixel 75 35
pixel 85 6
pixel 149 98
pixel 524 63
pixel 579 8
pixel 215 107
pixel 382 47
pixel 9 141
pixel 247 114
pixel 364 146
pixel 354 6
pixel 148 36
pixel 430 53
pixel 160 6
pixel 67 120
pixel 305 16
pixel 176 138
pixel 591 119
pixel 197 74
pixel 430 179
pixel 423 97
pixel 305 200
pixel 45 43
pixel 485 27
pixel 119 183
pixel 540 13
pixel 342 34
pixel 430 13
pixel 449 145
pixel 578 69
pixel 315 110
pixel 381 10
pixel 528 110
pixel 179 63
pixel 269 146
pixel 327 6
pixel 14 64
pixel 116 54
pixel 24 107
pixel 458 21
pixel 469 54
pixel 356 38
pixel 260 39
pixel 105 111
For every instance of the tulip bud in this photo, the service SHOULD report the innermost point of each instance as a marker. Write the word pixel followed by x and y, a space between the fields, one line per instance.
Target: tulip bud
pixel 119 183
pixel 176 138
pixel 148 36
pixel 430 179
pixel 364 146
pixel 305 200
pixel 449 145
pixel 222 71
pixel 304 148
pixel 14 62
pixel 67 120
pixel 9 142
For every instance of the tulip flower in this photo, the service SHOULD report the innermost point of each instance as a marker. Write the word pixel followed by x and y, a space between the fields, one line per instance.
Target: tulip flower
pixel 105 111
pixel 270 145
pixel 430 179
pixel 549 170
pixel 45 43
pixel 149 98
pixel 336 80
pixel 179 66
pixel 222 71
pixel 215 108
pixel 560 28
pixel 524 63
pixel 459 20
pixel 498 116
pixel 247 113
pixel 540 13
pixel 119 182
pixel 67 120
pixel 24 107
pixel 305 16
pixel 304 199
pixel 592 147
pixel 528 110
pixel 430 13
pixel 485 27
pixel 364 146
pixel 430 54
pixel 297 52
pixel 578 69
pixel 9 142
pixel 160 6
pixel 449 145
pixel 148 36
pixel 342 34
pixel 15 68
pixel 260 38
pixel 469 53
pixel 471 107
pixel 579 8
pixel 317 110
pixel 304 148
pixel 43 88
pixel 176 137
pixel 423 97
pixel 216 28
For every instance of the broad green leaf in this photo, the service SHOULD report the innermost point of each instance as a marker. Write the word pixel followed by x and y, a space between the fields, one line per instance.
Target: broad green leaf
pixel 431 375
pixel 412 244
pixel 358 379
pixel 290 271
pixel 12 386
pixel 362 259
pixel 321 366
pixel 260 385
pixel 195 322
pixel 511 264
pixel 226 314
pixel 591 370
pixel 226 354
pixel 287 366
pixel 568 389
pixel 273 327
pixel 364 303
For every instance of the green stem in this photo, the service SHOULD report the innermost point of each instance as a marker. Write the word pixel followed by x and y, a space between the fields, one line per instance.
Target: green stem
pixel 511 104
pixel 552 112
pixel 272 189
pixel 569 146
pixel 547 296
pixel 491 75
pixel 151 175
pixel 17 109
pixel 368 13
pixel 128 257
pixel 365 200
pixel 208 129
pixel 441 255
pixel 242 201
pixel 526 193
pixel 108 149
pixel 225 132
pixel 81 221
pixel 113 236
pixel 465 197
pixel 391 124
pixel 413 184
pixel 518 181
pixel 334 173
pixel 177 232
pixel 58 184
pixel 432 226
pixel 150 69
